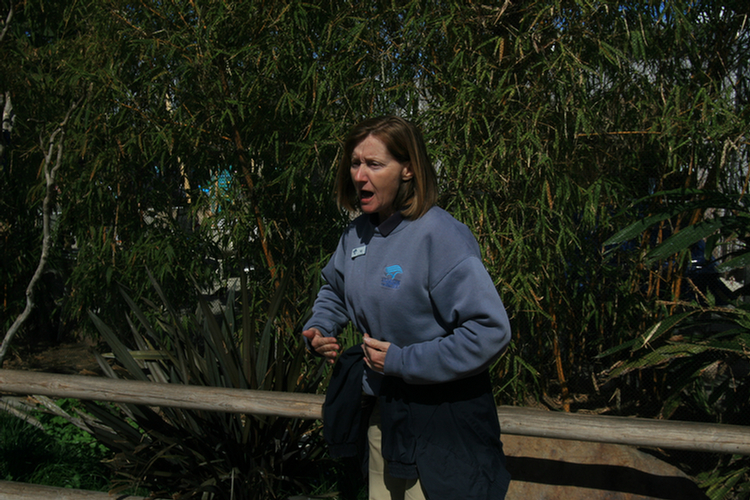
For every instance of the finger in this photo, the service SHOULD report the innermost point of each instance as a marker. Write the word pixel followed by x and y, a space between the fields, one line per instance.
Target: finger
pixel 312 334
pixel 377 359
pixel 368 362
pixel 326 340
pixel 374 364
pixel 320 340
pixel 367 354
pixel 375 353
pixel 326 344
pixel 329 350
pixel 370 351
pixel 374 344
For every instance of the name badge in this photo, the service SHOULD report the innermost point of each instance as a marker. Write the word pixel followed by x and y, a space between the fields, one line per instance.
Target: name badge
pixel 356 252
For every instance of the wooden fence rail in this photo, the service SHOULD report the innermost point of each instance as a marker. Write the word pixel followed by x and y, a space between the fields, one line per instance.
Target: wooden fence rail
pixel 717 438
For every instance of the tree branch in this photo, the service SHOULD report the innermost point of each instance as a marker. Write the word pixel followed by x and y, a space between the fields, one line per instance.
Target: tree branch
pixel 50 169
pixel 7 23
pixel 8 117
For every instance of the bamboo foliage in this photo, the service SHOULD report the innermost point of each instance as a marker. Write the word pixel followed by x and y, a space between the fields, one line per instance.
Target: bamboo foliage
pixel 544 119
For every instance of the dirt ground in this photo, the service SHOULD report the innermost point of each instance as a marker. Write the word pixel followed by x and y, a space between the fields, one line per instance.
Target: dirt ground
pixel 71 357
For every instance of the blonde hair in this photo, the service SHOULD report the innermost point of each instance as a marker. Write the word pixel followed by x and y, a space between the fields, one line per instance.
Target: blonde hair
pixel 405 143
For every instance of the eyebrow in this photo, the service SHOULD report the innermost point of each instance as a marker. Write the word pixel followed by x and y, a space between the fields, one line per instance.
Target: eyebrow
pixel 368 158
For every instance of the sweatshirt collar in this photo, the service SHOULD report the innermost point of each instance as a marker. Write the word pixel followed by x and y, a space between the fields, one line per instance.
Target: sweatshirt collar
pixel 388 225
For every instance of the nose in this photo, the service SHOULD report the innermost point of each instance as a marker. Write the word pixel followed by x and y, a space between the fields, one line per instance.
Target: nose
pixel 358 174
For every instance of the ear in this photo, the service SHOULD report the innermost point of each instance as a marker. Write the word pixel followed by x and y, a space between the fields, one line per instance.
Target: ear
pixel 406 171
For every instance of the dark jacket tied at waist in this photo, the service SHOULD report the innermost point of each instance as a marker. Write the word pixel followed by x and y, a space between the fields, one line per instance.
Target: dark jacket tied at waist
pixel 446 434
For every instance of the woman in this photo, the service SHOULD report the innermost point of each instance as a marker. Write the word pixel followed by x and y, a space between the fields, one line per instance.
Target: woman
pixel 410 277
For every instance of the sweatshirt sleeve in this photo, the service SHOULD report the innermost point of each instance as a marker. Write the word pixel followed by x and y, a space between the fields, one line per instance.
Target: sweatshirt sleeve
pixel 329 312
pixel 477 330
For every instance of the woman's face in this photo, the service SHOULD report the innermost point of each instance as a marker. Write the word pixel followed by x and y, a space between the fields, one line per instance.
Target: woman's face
pixel 377 176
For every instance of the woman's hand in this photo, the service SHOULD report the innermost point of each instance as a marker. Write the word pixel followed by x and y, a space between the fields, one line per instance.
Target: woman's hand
pixel 328 347
pixel 375 351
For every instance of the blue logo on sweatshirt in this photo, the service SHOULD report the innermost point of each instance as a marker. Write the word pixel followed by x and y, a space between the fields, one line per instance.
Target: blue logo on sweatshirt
pixel 391 280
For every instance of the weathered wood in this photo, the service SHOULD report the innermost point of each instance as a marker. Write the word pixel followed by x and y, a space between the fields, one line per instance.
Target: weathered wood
pixel 24 491
pixel 668 434
pixel 519 421
pixel 190 397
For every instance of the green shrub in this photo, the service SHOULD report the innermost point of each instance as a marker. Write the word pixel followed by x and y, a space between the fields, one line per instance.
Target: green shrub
pixel 60 455
pixel 692 362
pixel 213 454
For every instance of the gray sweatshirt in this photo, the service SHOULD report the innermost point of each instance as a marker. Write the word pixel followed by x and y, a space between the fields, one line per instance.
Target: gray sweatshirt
pixel 420 285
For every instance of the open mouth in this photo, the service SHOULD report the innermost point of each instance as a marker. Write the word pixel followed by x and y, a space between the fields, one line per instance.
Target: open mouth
pixel 365 195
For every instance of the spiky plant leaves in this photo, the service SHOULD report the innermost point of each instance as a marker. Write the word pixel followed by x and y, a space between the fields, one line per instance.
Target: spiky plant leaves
pixel 264 347
pixel 221 361
pixel 220 455
pixel 121 352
